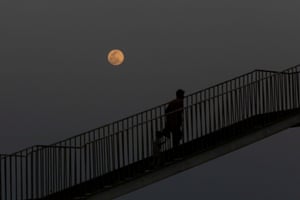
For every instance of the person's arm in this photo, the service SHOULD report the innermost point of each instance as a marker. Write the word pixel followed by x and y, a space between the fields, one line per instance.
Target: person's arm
pixel 169 108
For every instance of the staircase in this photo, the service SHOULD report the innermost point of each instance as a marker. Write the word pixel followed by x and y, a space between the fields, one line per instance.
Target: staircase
pixel 120 157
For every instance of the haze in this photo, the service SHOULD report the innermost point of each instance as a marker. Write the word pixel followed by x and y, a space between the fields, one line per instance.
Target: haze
pixel 55 81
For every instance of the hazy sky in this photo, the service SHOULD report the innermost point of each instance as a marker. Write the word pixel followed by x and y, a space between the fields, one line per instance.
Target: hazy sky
pixel 55 81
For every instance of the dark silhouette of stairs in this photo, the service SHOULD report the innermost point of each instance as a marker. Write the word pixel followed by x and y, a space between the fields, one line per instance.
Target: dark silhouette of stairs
pixel 117 158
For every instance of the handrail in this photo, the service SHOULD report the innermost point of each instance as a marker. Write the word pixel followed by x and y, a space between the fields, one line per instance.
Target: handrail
pixel 164 104
pixel 139 113
pixel 191 105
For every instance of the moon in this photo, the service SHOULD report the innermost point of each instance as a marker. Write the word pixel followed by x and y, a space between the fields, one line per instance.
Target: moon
pixel 115 57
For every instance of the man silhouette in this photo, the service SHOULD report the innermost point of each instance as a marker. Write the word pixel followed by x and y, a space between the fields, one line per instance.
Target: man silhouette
pixel 174 118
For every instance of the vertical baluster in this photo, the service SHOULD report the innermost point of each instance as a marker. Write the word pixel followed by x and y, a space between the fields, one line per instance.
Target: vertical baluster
pixel 219 108
pixel 197 115
pixel 42 176
pixel 213 97
pixel 297 87
pixel 137 141
pixel 16 177
pixel 118 134
pixel 128 146
pixel 223 106
pixel 148 145
pixel 123 146
pixel 133 145
pixel 285 91
pixel 142 124
pixel 232 103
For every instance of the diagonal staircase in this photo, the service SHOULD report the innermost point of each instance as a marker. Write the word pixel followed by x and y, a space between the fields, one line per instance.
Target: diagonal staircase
pixel 120 157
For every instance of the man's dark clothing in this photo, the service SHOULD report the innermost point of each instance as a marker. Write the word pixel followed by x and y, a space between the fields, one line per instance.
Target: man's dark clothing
pixel 174 118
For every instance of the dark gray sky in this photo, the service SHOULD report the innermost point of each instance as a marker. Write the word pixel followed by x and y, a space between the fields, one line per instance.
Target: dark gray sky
pixel 55 81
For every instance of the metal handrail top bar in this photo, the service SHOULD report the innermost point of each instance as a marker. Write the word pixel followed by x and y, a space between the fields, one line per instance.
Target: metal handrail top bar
pixel 59 147
pixel 256 70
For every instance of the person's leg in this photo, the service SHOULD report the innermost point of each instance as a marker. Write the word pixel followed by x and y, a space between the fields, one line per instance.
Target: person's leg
pixel 176 140
pixel 177 136
pixel 176 132
pixel 161 137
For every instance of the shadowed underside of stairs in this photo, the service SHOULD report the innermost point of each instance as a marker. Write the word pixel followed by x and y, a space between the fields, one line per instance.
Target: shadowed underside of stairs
pixel 121 157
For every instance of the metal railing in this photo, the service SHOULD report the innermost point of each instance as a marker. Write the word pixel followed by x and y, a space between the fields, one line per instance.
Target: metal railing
pixel 119 150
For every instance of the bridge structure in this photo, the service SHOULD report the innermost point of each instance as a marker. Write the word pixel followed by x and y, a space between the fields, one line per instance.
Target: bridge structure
pixel 120 157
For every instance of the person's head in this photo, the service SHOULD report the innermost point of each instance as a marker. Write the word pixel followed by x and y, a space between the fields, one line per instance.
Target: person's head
pixel 180 94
